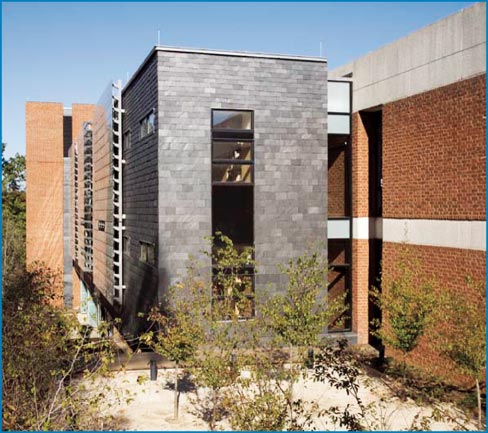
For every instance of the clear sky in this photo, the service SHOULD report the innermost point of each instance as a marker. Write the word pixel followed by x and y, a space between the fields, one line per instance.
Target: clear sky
pixel 68 52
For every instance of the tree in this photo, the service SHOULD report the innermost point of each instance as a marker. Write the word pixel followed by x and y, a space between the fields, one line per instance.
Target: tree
pixel 177 335
pixel 224 338
pixel 407 303
pixel 203 312
pixel 13 213
pixel 48 359
pixel 462 334
pixel 298 316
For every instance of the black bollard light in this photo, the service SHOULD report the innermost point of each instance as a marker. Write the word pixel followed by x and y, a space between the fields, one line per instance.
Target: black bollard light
pixel 153 368
pixel 310 358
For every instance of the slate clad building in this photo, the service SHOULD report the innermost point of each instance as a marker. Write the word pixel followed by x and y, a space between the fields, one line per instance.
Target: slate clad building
pixel 198 141
pixel 265 149
pixel 234 142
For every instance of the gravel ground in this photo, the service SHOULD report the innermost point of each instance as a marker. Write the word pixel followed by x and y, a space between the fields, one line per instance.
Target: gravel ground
pixel 151 407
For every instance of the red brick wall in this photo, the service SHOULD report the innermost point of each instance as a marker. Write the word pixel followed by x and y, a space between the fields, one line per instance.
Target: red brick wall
pixel 44 186
pixel 336 198
pixel 360 208
pixel 448 267
pixel 360 288
pixel 360 170
pixel 434 154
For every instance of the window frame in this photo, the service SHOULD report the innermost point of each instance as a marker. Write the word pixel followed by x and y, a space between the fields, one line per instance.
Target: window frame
pixel 127 140
pixel 143 130
pixel 145 245
pixel 126 245
pixel 234 136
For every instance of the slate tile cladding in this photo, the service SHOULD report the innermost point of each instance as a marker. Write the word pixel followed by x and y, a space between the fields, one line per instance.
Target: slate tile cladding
pixel 289 100
pixel 140 196
pixel 167 175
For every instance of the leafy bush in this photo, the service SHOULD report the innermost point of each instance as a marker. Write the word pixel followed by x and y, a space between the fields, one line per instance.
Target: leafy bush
pixel 49 361
pixel 407 302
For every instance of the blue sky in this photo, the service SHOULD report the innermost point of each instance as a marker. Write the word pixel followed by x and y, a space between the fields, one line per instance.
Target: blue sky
pixel 68 52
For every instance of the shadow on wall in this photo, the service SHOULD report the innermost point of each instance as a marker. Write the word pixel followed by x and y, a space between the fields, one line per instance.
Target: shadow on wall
pixel 141 296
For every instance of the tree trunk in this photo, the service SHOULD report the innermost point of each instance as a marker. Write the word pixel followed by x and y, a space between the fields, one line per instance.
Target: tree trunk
pixel 214 409
pixel 404 367
pixel 176 395
pixel 478 396
pixel 291 382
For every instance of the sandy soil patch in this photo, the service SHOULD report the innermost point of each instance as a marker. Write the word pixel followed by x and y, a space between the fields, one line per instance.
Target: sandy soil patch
pixel 152 404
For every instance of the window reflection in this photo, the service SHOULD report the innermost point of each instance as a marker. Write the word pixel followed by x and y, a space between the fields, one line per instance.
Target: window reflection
pixel 232 173
pixel 238 150
pixel 222 119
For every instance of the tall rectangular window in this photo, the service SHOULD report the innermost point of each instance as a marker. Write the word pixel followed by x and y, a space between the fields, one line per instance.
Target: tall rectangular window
pixel 233 196
pixel 339 198
pixel 147 125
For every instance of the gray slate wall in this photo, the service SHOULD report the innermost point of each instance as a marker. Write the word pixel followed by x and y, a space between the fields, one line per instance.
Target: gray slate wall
pixel 290 110
pixel 140 196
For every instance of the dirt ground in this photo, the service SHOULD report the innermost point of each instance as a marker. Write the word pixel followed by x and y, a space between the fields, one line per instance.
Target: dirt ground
pixel 151 407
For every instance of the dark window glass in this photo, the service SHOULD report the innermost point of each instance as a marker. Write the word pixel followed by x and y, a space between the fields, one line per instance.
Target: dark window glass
pixel 232 211
pixel 235 150
pixel 148 125
pixel 233 208
pixel 337 183
pixel 338 251
pixel 241 120
pixel 147 253
pixel 232 173
pixel 339 290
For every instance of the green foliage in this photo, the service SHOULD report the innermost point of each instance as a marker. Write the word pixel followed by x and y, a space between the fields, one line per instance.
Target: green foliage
pixel 335 365
pixel 295 317
pixel 257 401
pixel 298 315
pixel 302 312
pixel 204 314
pixel 462 336
pixel 224 337
pixel 49 360
pixel 13 213
pixel 407 303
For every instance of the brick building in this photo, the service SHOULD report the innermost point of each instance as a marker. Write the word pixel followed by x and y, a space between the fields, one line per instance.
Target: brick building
pixel 201 140
pixel 419 158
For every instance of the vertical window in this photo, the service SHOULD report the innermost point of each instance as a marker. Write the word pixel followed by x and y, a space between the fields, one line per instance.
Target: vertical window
pixel 148 124
pixel 147 252
pixel 126 245
pixel 127 140
pixel 339 197
pixel 233 198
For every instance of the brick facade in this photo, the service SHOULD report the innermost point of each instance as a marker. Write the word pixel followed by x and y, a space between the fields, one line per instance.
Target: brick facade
pixel 49 133
pixel 360 289
pixel 434 153
pixel 360 167
pixel 44 187
pixel 336 182
pixel 448 267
